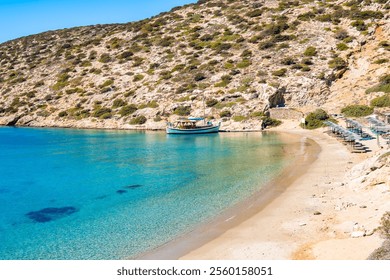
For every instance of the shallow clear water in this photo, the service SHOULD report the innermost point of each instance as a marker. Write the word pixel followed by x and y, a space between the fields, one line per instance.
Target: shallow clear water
pixel 115 194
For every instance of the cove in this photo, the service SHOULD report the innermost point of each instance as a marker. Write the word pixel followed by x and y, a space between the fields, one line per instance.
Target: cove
pixel 93 194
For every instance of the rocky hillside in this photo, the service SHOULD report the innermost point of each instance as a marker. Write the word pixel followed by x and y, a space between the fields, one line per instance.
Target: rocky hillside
pixel 239 58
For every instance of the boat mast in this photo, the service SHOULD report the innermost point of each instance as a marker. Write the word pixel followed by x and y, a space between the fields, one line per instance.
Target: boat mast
pixel 204 110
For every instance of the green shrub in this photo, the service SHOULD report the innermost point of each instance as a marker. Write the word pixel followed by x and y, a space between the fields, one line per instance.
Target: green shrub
pixel 92 55
pixel 310 51
pixel 342 47
pixel 244 63
pixel 288 61
pixel 219 47
pixel 127 110
pixel 182 110
pixel 178 67
pixel 114 43
pixel 19 79
pixel 106 89
pixel 157 118
pixel 137 61
pixel 279 73
pixel 246 53
pixel 275 28
pixel 359 25
pixel 39 84
pixel 166 75
pixel 154 66
pixel 106 116
pixel 384 228
pixel 307 16
pixel 225 114
pixel 105 58
pixel 199 77
pixel 270 122
pixel 324 18
pixel 307 61
pixel 385 45
pixel 341 34
pixel 283 46
pixel 129 93
pixel 381 61
pixel 106 83
pixel 118 103
pixel 62 81
pixel 226 79
pixel 362 15
pixel 357 111
pixel 348 40
pixel 385 79
pixel 381 101
pixel 73 90
pixel 150 104
pixel 254 13
pixel 95 71
pixel 43 113
pixel 30 94
pixel 381 1
pixel 316 119
pixel 207 38
pixel 337 63
pixel 126 55
pixel 138 120
pixel 229 65
pixel 138 77
pixel 266 45
pixel 102 112
pixel 48 97
pixel 255 39
pixel 78 113
pixel 383 86
pixel 257 114
pixel 16 102
pixel 62 114
pixel 211 102
pixel 239 118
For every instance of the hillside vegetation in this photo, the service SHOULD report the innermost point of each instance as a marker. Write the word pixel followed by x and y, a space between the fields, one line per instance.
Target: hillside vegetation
pixel 237 57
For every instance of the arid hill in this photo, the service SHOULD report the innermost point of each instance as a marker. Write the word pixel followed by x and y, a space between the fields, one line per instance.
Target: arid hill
pixel 239 58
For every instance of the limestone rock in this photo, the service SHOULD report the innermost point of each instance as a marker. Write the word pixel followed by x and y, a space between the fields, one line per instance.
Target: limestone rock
pixel 273 96
pixel 358 231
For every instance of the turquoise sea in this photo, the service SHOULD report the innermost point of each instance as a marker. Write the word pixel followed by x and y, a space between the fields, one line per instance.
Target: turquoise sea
pixel 90 194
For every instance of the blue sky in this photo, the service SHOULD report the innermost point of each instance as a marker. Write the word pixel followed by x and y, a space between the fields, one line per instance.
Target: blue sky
pixel 25 17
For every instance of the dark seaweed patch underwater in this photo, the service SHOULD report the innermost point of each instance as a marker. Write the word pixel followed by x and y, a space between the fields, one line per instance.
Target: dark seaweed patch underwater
pixel 50 214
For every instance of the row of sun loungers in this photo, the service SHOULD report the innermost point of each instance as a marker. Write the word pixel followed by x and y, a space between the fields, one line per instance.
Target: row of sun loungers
pixel 348 138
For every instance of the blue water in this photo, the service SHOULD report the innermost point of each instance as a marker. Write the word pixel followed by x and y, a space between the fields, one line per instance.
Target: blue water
pixel 85 194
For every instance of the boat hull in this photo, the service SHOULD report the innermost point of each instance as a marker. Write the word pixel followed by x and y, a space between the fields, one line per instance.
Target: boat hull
pixel 198 130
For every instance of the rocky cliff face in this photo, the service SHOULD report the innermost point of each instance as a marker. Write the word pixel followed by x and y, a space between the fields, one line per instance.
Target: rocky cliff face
pixel 236 58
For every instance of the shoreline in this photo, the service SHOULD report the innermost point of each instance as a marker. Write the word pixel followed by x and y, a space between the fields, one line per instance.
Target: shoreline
pixel 305 151
pixel 137 129
pixel 314 218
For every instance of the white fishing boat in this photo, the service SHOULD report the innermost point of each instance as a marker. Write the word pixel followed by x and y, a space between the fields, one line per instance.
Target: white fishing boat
pixel 192 126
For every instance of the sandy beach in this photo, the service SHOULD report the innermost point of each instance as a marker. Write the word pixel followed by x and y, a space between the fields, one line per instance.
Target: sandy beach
pixel 329 213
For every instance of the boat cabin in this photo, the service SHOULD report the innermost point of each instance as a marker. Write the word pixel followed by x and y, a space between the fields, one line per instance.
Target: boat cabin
pixel 185 124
